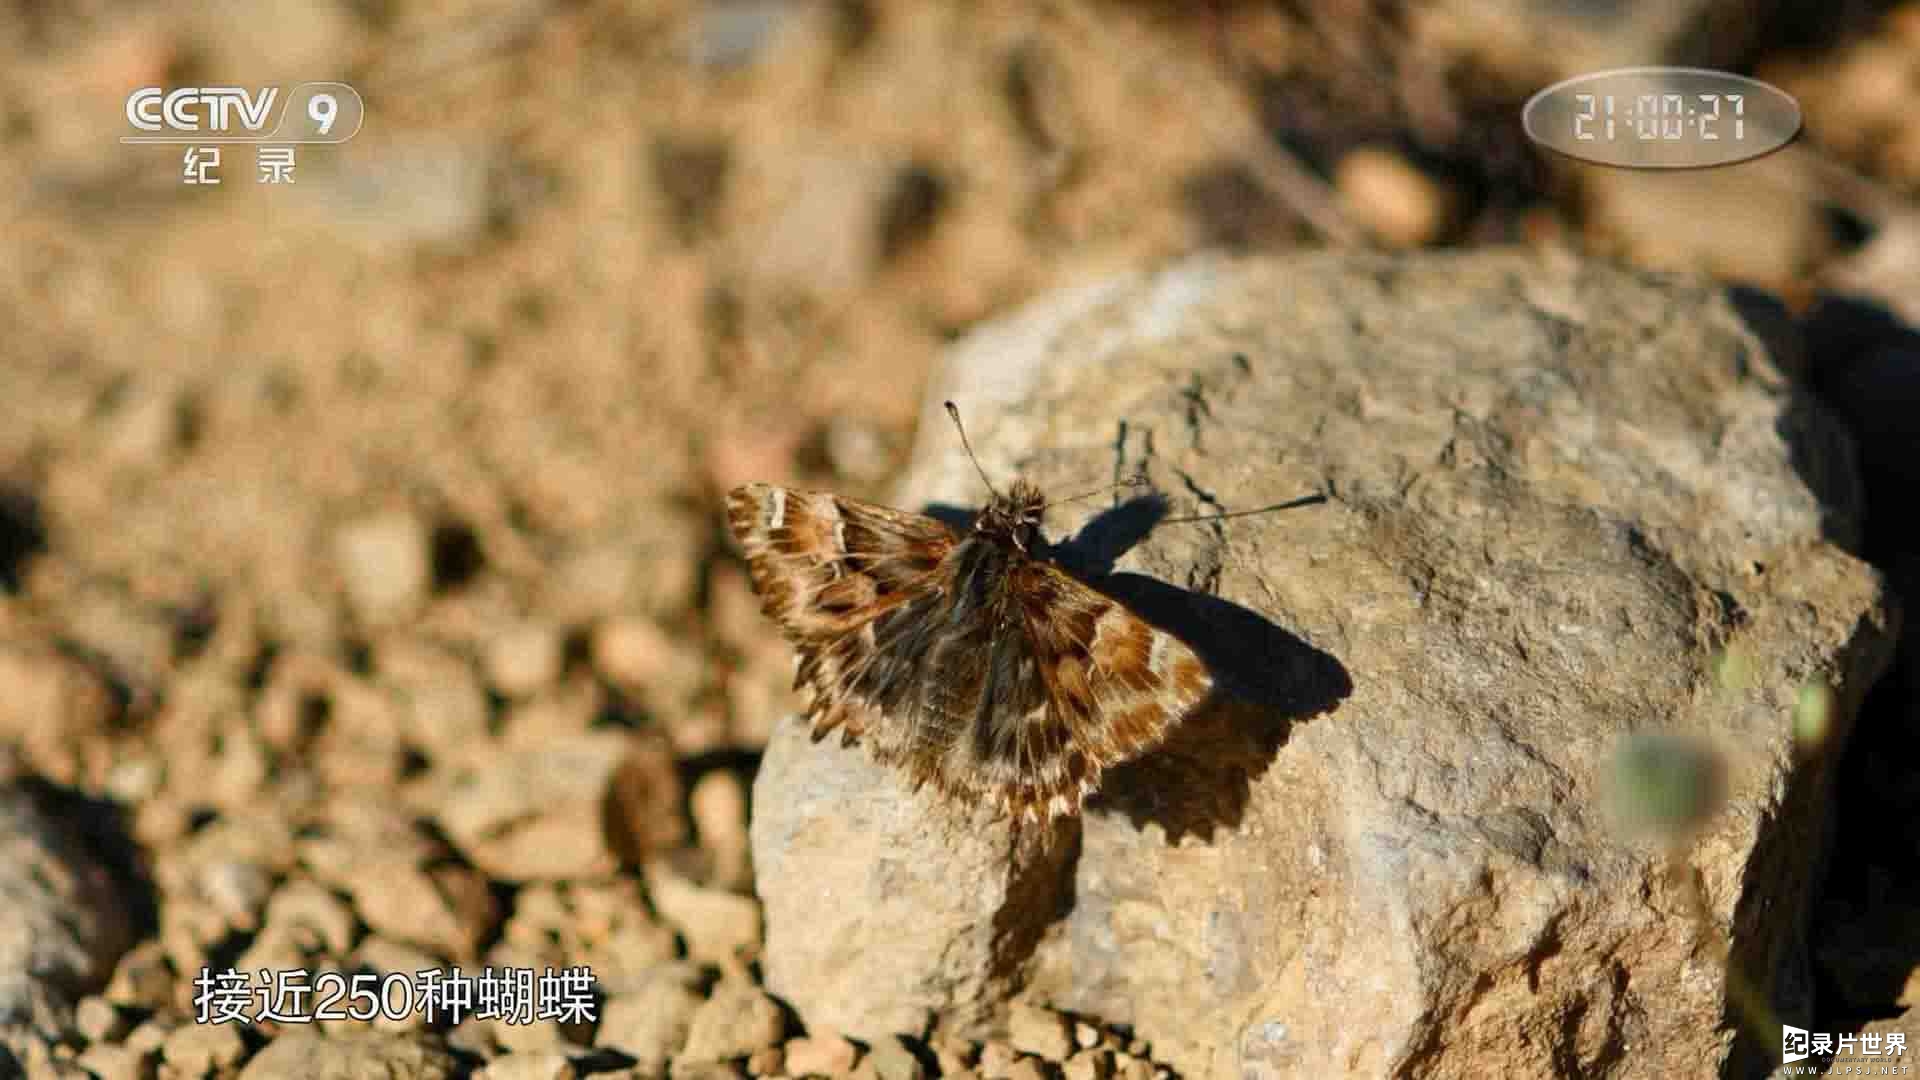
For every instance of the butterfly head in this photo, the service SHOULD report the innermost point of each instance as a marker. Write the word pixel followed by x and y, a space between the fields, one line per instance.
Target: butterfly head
pixel 1010 520
pixel 1014 518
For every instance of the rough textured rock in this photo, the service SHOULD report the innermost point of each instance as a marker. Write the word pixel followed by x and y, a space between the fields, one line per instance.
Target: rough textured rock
pixel 1868 1053
pixel 1559 496
pixel 66 916
pixel 887 907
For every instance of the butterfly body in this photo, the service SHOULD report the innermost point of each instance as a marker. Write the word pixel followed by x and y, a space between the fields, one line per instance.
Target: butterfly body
pixel 971 661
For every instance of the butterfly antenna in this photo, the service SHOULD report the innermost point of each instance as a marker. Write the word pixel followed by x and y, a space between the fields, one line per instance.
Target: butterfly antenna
pixel 1138 480
pixel 1304 500
pixel 955 414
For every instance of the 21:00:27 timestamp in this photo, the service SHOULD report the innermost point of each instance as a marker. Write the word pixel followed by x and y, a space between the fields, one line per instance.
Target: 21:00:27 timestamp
pixel 1661 118
pixel 1658 116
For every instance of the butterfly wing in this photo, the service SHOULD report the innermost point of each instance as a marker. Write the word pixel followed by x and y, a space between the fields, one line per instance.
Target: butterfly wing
pixel 1018 684
pixel 826 567
pixel 1115 685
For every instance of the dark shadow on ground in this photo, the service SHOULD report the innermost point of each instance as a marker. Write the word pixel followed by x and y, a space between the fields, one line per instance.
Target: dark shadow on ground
pixel 1860 364
pixel 23 535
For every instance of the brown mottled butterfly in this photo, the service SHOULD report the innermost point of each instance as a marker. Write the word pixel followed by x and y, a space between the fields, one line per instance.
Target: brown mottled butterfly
pixel 973 660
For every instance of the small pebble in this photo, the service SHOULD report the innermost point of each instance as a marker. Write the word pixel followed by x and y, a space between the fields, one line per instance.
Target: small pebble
pixel 719 807
pixel 535 1066
pixel 953 1056
pixel 589 584
pixel 1089 1065
pixel 312 909
pixel 146 428
pixel 644 801
pixel 142 978
pixel 738 1020
pixel 1041 1032
pixel 161 822
pixel 996 1059
pixel 1874 79
pixel 1027 1069
pixel 236 890
pixel 856 449
pixel 98 1021
pixel 689 1069
pixel 444 704
pixel 894 1060
pixel 1397 202
pixel 525 658
pixel 136 780
pixel 540 1038
pixel 1086 1035
pixel 632 651
pixel 719 927
pixel 474 1036
pixel 151 1035
pixel 823 1054
pixel 629 956
pixel 117 1063
pixel 198 1049
pixel 386 564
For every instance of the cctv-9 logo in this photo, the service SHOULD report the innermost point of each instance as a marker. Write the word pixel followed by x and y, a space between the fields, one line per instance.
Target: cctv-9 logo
pixel 313 112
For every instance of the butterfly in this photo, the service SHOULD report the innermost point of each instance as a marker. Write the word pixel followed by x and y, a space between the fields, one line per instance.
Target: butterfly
pixel 972 661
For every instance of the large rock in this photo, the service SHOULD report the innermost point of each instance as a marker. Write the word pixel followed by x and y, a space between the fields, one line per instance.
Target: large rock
pixel 1561 497
pixel 887 907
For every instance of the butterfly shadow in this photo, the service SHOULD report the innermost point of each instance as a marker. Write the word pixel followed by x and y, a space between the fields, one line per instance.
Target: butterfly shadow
pixel 1265 681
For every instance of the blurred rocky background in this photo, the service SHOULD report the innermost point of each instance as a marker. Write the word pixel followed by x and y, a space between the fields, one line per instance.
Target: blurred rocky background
pixel 364 605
